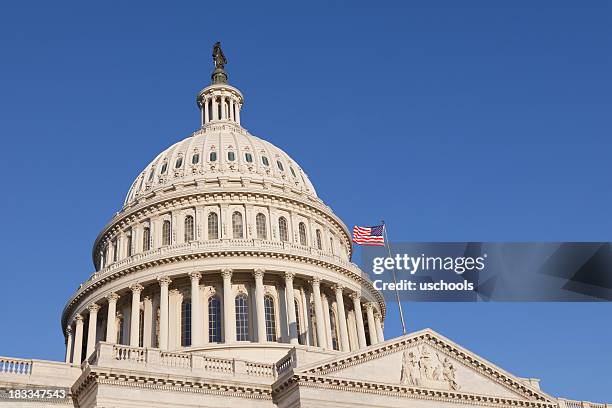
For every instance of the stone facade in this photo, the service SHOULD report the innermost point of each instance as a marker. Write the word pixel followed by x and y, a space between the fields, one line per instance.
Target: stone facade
pixel 226 281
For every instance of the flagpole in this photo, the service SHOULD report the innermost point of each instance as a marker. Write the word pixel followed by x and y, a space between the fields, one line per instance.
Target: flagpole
pixel 399 304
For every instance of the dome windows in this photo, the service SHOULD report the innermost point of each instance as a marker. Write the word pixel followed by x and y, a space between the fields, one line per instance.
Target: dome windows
pixel 195 159
pixel 231 156
pixel 237 230
pixel 292 171
pixel 152 174
pixel 213 157
pixel 166 233
pixel 265 161
pixel 214 319
pixel 260 226
pixel 248 157
pixel 283 231
pixel 213 226
pixel 164 168
pixel 242 317
pixel 189 228
pixel 280 165
pixel 302 230
pixel 179 163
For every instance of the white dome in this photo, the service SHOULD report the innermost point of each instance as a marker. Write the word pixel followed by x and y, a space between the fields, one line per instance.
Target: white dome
pixel 217 153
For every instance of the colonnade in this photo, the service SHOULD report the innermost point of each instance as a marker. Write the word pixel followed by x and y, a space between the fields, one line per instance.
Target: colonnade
pixel 322 334
pixel 215 107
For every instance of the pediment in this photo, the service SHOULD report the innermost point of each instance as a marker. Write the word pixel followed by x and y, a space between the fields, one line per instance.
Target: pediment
pixel 425 359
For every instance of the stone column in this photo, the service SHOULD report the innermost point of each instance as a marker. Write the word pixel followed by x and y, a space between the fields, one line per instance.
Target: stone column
pixel 371 324
pixel 111 326
pixel 327 316
pixel 229 322
pixel 215 108
pixel 293 334
pixel 344 340
pixel 379 330
pixel 318 307
pixel 359 319
pixel 164 282
pixel 206 113
pixel 231 109
pixel 147 330
pixel 135 315
pixel 258 274
pixel 68 343
pixel 196 309
pixel 91 329
pixel 223 108
pixel 78 340
pixel 238 113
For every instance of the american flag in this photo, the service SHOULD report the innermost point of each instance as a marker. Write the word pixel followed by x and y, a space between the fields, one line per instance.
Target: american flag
pixel 369 235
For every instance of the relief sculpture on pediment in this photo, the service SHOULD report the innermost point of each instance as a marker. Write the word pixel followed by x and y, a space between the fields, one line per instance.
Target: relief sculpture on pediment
pixel 420 368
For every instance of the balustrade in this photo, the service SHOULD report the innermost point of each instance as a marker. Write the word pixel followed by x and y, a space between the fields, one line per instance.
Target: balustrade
pixel 15 366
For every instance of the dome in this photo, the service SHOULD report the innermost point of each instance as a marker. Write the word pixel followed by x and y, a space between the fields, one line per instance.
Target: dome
pixel 216 154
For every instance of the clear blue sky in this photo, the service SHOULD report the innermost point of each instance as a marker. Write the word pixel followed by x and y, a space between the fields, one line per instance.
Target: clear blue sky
pixel 485 121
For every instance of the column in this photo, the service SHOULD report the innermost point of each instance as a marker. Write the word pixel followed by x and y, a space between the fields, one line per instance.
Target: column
pixel 68 343
pixel 196 309
pixel 135 315
pixel 318 307
pixel 371 324
pixel 327 317
pixel 231 109
pixel 258 274
pixel 359 319
pixel 215 112
pixel 223 108
pixel 91 330
pixel 344 341
pixel 238 113
pixel 307 319
pixel 78 340
pixel 147 330
pixel 293 334
pixel 229 321
pixel 111 325
pixel 164 282
pixel 379 330
pixel 206 113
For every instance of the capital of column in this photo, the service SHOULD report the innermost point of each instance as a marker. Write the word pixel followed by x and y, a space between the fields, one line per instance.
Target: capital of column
pixel 227 273
pixel 93 308
pixel 195 275
pixel 113 297
pixel 338 288
pixel 355 296
pixel 164 280
pixel 315 281
pixel 258 273
pixel 137 287
pixel 78 319
pixel 289 276
pixel 147 299
pixel 369 306
pixel 68 331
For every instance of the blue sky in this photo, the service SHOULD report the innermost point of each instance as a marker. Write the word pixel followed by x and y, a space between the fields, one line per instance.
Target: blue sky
pixel 474 120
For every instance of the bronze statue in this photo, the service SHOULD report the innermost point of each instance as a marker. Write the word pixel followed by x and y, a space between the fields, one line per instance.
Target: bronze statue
pixel 218 56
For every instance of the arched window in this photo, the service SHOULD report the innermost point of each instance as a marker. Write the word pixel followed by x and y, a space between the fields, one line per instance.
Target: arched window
pixel 298 326
pixel 280 165
pixel 214 320
pixel 189 230
pixel 115 250
pixel 334 330
pixel 128 242
pixel 237 225
pixel 141 328
pixel 319 240
pixel 270 318
pixel 213 156
pixel 166 233
pixel 292 171
pixel 146 239
pixel 213 226
pixel 302 230
pixel 331 245
pixel 231 156
pixel 186 323
pixel 242 318
pixel 164 168
pixel 195 159
pixel 265 161
pixel 282 229
pixel 260 226
pixel 248 157
pixel 179 163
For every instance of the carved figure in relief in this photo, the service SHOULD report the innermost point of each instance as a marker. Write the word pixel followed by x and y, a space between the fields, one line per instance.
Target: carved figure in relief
pixel 410 369
pixel 426 364
pixel 448 372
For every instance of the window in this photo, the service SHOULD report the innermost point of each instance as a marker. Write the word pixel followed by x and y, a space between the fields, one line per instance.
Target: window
pixel 282 229
pixel 146 239
pixel 152 174
pixel 260 226
pixel 214 320
pixel 164 168
pixel 128 243
pixel 302 228
pixel 189 230
pixel 319 240
pixel 270 318
pixel 141 329
pixel 334 330
pixel 231 156
pixel 179 163
pixel 213 226
pixel 248 157
pixel 292 172
pixel 213 156
pixel 195 159
pixel 186 323
pixel 331 245
pixel 280 165
pixel 265 161
pixel 298 326
pixel 115 250
pixel 242 318
pixel 166 233
pixel 237 225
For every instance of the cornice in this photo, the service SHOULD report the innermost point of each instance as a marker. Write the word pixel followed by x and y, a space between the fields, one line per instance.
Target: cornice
pixel 190 256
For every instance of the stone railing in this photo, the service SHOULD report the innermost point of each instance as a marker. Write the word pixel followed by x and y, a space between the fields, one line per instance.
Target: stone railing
pixel 115 355
pixel 287 363
pixel 565 403
pixel 15 366
pixel 39 372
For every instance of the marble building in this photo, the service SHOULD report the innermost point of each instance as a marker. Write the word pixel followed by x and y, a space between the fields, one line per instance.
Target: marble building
pixel 225 281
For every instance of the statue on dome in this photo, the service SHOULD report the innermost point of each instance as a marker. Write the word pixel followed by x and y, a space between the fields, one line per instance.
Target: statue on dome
pixel 218 56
